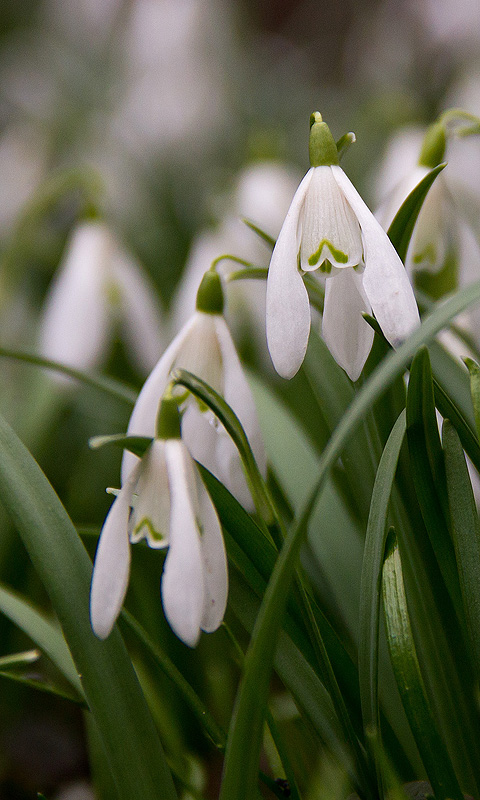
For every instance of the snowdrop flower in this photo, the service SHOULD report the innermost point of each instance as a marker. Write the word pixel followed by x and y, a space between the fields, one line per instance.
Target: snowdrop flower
pixel 204 347
pixel 330 230
pixel 442 253
pixel 262 194
pixel 164 501
pixel 96 285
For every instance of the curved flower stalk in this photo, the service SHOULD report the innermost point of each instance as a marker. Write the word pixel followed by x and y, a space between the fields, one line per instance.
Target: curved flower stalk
pixel 330 231
pixel 97 286
pixel 204 347
pixel 165 502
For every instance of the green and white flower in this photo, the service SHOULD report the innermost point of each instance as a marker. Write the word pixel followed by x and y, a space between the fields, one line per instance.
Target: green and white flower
pixel 204 347
pixel 330 232
pixel 165 502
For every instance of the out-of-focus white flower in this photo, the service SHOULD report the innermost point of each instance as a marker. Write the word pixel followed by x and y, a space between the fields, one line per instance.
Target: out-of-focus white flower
pixel 330 229
pixel 97 286
pixel 164 501
pixel 204 347
pixel 262 195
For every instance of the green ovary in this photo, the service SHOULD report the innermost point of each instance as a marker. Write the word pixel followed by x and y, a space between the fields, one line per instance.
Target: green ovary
pixel 338 255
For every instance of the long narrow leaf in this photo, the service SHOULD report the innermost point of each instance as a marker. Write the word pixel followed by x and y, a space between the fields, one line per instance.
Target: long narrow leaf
pixel 110 685
pixel 42 631
pixel 428 471
pixel 241 762
pixel 410 683
pixel 466 533
pixel 371 586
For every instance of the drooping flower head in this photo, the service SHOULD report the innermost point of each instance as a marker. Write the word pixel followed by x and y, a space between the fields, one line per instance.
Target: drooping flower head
pixel 97 286
pixel 329 231
pixel 204 347
pixel 165 502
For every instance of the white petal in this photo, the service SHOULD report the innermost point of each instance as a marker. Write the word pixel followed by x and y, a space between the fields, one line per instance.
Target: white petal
pixel 144 415
pixel 348 337
pixel 200 434
pixel 142 322
pixel 112 564
pixel 330 229
pixel 214 562
pixel 288 308
pixel 385 280
pixel 386 211
pixel 151 502
pixel 74 326
pixel 183 590
pixel 238 394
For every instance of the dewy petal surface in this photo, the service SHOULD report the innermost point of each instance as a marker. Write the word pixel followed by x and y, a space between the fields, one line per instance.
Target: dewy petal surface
pixel 287 304
pixel 385 280
pixel 183 590
pixel 330 229
pixel 112 563
pixel 347 335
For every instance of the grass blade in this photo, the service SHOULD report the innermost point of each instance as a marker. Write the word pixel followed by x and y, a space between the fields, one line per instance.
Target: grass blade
pixel 371 585
pixel 410 683
pixel 244 740
pixel 109 682
pixel 466 534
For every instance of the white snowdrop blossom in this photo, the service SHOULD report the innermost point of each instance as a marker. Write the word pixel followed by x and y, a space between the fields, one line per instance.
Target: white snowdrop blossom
pixel 96 287
pixel 262 194
pixel 205 348
pixel 330 230
pixel 165 502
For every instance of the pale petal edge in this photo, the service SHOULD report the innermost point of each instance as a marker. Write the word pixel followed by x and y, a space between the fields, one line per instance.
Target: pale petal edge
pixel 112 565
pixel 385 279
pixel 287 304
pixel 144 414
pixel 183 591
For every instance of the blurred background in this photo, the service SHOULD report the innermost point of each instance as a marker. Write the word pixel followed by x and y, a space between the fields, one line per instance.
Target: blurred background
pixel 165 122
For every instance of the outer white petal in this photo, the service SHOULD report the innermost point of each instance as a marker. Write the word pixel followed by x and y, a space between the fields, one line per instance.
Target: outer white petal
pixel 348 337
pixel 215 571
pixel 74 327
pixel 183 590
pixel 112 564
pixel 200 433
pixel 385 280
pixel 288 308
pixel 141 315
pixel 144 414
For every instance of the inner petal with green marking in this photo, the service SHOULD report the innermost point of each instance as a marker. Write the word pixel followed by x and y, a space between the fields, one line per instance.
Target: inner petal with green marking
pixel 330 232
pixel 145 528
pixel 338 256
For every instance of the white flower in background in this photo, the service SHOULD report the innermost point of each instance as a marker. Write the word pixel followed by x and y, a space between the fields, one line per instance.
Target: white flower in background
pixel 262 195
pixel 204 347
pixel 436 235
pixel 97 287
pixel 330 230
pixel 164 501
